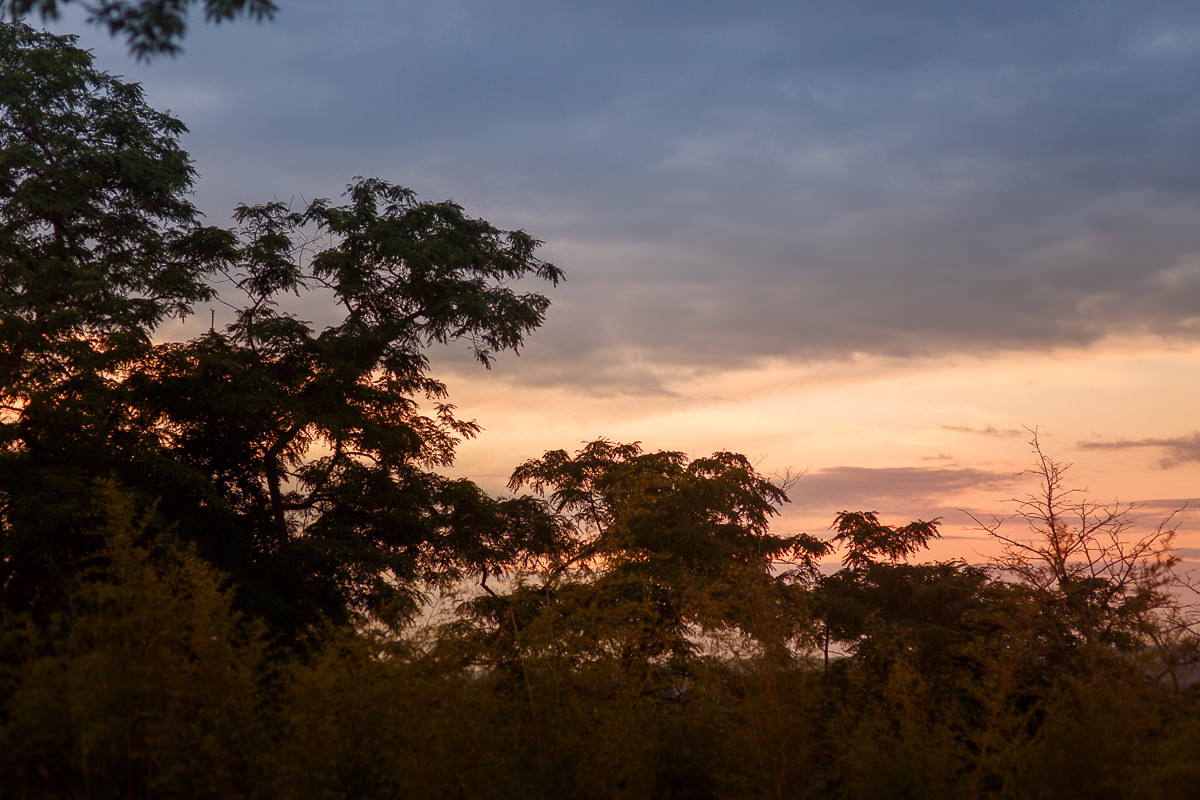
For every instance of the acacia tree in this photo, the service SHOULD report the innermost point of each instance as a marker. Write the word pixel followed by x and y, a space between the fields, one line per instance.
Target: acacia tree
pixel 298 457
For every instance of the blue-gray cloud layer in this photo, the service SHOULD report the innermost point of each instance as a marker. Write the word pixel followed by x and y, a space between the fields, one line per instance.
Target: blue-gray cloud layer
pixel 727 182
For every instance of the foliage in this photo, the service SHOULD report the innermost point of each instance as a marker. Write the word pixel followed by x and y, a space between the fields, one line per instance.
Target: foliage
pixel 98 242
pixel 664 551
pixel 150 27
pixel 665 510
pixel 147 684
pixel 315 440
pixel 298 458
pixel 98 245
pixel 865 538
pixel 212 552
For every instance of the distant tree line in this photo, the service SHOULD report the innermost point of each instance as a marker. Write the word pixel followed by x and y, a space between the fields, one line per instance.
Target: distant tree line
pixel 221 560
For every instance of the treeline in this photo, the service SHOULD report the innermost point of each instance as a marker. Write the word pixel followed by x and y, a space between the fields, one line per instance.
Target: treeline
pixel 674 658
pixel 229 566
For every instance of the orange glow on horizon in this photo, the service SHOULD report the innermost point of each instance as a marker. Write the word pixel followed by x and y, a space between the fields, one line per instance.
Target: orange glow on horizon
pixel 885 419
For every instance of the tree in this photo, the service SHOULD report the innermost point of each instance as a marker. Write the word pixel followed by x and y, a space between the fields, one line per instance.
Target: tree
pixel 150 27
pixel 1102 581
pixel 98 245
pixel 866 539
pixel 298 458
pixel 876 596
pixel 664 550
pixel 316 440
pixel 97 238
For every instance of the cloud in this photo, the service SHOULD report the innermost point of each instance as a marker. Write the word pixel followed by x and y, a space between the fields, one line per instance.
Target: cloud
pixel 1186 505
pixel 867 488
pixel 989 430
pixel 728 184
pixel 1177 451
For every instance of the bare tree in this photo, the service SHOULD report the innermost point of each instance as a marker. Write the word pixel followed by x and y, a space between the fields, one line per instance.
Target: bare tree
pixel 1105 579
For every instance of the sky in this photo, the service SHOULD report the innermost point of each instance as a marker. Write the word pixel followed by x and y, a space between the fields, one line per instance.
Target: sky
pixel 875 243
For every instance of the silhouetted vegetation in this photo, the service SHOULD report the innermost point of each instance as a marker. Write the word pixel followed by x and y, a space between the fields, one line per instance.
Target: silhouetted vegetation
pixel 150 27
pixel 229 568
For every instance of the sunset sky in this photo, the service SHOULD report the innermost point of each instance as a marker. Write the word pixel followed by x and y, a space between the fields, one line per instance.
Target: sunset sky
pixel 872 241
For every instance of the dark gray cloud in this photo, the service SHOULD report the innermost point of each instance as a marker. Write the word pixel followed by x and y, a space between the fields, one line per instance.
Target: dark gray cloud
pixel 1176 451
pixel 732 182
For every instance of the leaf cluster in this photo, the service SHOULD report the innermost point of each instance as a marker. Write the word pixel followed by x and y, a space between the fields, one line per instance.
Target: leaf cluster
pixel 150 27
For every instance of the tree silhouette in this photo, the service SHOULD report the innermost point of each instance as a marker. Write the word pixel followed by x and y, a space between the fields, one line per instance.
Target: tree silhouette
pixel 298 458
pixel 150 27
pixel 1103 579
pixel 665 550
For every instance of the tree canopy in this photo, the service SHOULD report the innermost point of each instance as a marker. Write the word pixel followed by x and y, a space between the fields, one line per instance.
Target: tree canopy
pixel 660 548
pixel 297 456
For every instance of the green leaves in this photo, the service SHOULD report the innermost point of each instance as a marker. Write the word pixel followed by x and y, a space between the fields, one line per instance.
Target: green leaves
pixel 98 245
pixel 148 683
pixel 98 242
pixel 422 273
